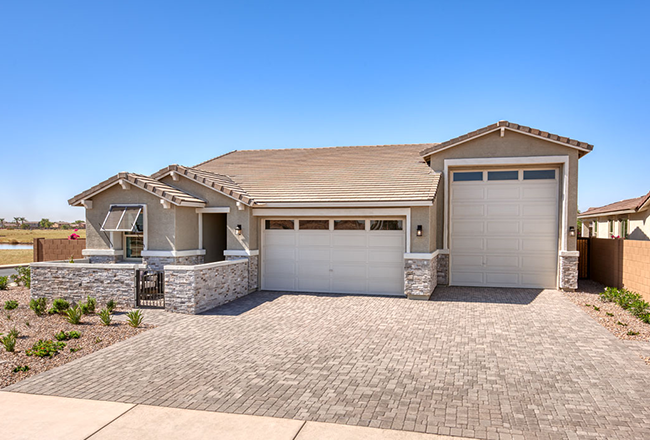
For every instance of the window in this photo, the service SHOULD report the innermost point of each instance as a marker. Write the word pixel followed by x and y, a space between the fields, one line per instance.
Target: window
pixel 123 219
pixel 503 175
pixel 539 174
pixel 624 228
pixel 133 245
pixel 314 224
pixel 385 225
pixel 279 224
pixel 611 227
pixel 349 225
pixel 468 176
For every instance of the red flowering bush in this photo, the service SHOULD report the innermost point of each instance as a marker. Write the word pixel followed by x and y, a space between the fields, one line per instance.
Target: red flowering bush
pixel 74 235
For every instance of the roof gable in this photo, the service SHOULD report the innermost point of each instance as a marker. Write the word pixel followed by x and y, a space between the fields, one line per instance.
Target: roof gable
pixel 153 186
pixel 635 204
pixel 583 147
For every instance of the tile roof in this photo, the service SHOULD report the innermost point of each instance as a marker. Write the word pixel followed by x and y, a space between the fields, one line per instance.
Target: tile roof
pixel 585 147
pixel 624 205
pixel 380 173
pixel 218 182
pixel 160 189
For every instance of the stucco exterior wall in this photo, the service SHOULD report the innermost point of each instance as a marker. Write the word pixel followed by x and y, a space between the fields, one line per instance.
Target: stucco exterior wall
pixel 249 237
pixel 511 145
pixel 425 216
pixel 638 228
pixel 186 228
pixel 160 222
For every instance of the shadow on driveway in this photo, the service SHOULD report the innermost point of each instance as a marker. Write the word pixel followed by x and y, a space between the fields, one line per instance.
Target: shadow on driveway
pixel 496 295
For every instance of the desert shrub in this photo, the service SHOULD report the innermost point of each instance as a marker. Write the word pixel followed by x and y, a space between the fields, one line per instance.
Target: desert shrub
pixel 74 315
pixel 11 304
pixel 65 336
pixel 105 317
pixel 9 343
pixel 630 301
pixel 45 348
pixel 38 305
pixel 23 276
pixel 110 305
pixel 14 333
pixel 60 305
pixel 134 318
pixel 21 368
pixel 4 282
pixel 91 303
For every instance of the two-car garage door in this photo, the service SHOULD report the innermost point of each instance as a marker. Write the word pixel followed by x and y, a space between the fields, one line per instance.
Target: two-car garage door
pixel 333 255
pixel 504 228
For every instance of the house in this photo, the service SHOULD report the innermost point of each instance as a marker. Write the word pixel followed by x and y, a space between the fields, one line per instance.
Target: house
pixel 625 219
pixel 491 208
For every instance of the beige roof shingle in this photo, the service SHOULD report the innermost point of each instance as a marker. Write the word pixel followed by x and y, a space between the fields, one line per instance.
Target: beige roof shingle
pixel 583 146
pixel 624 205
pixel 378 173
pixel 160 189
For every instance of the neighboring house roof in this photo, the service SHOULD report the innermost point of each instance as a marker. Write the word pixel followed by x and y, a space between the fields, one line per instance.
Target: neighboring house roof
pixel 160 189
pixel 635 204
pixel 379 173
pixel 505 125
pixel 218 182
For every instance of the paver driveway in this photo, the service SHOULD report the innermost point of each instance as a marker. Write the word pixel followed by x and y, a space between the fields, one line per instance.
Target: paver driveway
pixel 486 363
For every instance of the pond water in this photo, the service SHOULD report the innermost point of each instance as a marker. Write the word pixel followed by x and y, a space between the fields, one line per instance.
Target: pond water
pixel 16 246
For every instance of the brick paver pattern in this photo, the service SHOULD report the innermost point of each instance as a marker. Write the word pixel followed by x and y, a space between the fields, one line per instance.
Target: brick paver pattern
pixel 483 363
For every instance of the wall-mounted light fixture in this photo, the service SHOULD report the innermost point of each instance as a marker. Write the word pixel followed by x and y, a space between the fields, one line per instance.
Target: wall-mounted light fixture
pixel 572 231
pixel 418 231
pixel 238 230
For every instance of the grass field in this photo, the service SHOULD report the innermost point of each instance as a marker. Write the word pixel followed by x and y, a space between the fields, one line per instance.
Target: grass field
pixel 15 256
pixel 27 236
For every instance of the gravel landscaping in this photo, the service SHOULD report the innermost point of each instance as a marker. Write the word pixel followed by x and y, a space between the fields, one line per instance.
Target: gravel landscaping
pixel 619 322
pixel 94 336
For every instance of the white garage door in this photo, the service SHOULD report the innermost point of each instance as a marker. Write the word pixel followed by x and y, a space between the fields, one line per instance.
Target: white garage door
pixel 504 228
pixel 333 255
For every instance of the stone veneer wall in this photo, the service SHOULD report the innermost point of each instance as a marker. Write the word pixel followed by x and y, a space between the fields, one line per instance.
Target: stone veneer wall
pixel 569 270
pixel 158 263
pixel 104 259
pixel 420 277
pixel 253 268
pixel 442 269
pixel 74 282
pixel 195 289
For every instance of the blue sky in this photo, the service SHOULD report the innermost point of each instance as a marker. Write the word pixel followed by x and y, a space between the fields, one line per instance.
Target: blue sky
pixel 88 89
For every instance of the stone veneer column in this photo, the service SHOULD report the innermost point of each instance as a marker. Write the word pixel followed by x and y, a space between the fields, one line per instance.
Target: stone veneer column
pixel 442 269
pixel 253 268
pixel 569 270
pixel 420 277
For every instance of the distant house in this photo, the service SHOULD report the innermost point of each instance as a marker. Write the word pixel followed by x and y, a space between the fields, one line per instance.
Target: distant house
pixel 625 219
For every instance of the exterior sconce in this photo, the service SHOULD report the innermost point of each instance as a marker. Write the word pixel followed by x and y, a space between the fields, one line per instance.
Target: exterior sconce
pixel 572 231
pixel 238 230
pixel 418 231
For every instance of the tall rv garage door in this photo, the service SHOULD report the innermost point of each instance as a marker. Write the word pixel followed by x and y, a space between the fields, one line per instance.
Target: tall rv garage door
pixel 504 228
pixel 333 255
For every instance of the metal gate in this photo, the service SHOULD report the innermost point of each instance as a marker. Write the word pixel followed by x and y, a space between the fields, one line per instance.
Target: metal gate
pixel 150 288
pixel 583 259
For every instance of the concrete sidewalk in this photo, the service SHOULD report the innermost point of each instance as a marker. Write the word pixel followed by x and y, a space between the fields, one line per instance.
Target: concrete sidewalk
pixel 30 416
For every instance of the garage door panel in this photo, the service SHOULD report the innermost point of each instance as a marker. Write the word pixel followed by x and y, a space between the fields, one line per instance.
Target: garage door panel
pixel 350 270
pixel 313 269
pixel 278 282
pixel 313 238
pixel 385 272
pixel 502 210
pixel 313 284
pixel 503 193
pixel 502 261
pixel 349 255
pixel 385 285
pixel 503 227
pixel 349 285
pixel 385 256
pixel 501 244
pixel 349 239
pixel 284 238
pixel 518 240
pixel 313 254
pixel 281 253
pixel 386 239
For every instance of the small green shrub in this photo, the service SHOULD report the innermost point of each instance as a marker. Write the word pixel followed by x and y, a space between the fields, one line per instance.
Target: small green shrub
pixel 587 305
pixel 21 368
pixel 110 305
pixel 38 305
pixel 11 304
pixel 23 276
pixel 98 340
pixel 597 309
pixel 4 282
pixel 60 305
pixel 622 324
pixel 9 342
pixel 74 315
pixel 609 314
pixel 14 333
pixel 84 308
pixel 646 318
pixel 134 318
pixel 105 317
pixel 45 348
pixel 91 304
pixel 74 350
pixel 631 333
pixel 65 336
pixel 630 301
